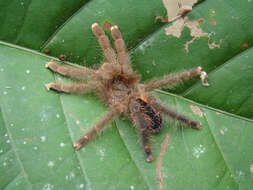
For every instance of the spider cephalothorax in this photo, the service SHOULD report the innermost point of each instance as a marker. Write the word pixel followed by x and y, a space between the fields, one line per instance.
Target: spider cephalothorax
pixel 117 85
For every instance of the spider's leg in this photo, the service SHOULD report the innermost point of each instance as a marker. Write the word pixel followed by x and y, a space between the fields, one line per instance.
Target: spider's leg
pixel 145 136
pixel 174 115
pixel 172 79
pixel 140 124
pixel 104 42
pixel 80 88
pixel 123 56
pixel 99 126
pixel 72 72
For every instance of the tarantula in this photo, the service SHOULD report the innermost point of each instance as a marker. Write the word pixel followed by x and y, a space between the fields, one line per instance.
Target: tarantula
pixel 117 85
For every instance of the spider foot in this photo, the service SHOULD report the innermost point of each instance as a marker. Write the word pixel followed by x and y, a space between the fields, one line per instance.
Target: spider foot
pixel 48 64
pixel 196 125
pixel 49 85
pixel 81 142
pixel 149 154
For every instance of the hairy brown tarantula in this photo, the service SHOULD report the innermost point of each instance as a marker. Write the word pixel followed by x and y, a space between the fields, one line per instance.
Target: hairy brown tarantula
pixel 117 85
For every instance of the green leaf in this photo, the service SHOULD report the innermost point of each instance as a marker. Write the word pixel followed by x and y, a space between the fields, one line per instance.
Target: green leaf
pixel 38 128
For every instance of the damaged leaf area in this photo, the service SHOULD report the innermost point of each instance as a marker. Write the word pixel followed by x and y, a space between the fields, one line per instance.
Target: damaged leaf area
pixel 195 31
pixel 176 9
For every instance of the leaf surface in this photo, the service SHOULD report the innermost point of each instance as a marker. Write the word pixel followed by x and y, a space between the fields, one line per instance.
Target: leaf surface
pixel 38 128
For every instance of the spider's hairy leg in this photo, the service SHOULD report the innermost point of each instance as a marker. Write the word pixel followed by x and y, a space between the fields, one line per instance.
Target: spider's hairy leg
pixel 110 115
pixel 174 115
pixel 104 42
pixel 79 88
pixel 72 72
pixel 139 122
pixel 172 79
pixel 123 56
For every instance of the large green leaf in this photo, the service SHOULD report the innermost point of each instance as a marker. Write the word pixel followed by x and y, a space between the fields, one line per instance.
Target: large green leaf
pixel 38 127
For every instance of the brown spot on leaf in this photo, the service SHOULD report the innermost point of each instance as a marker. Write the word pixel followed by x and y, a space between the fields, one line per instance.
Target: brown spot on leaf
pixel 62 57
pixel 213 22
pixel 107 25
pixel 196 110
pixel 221 132
pixel 245 44
pixel 47 51
pixel 213 12
pixel 162 19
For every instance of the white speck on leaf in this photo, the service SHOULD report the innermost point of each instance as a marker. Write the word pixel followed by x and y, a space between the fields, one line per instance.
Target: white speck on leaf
pixel 8 141
pixel 81 186
pixel 2 70
pixel 1 151
pixel 101 152
pixel 5 92
pixel 43 138
pixel 171 147
pixel 57 115
pixel 132 187
pixel 28 71
pixel 217 176
pixel 24 142
pixel 23 88
pixel 62 144
pixel 11 124
pixel 50 164
pixel 47 187
pixel 35 148
pixel 77 122
pixel 4 164
pixel 60 158
pixel 239 175
pixel 6 135
pixel 43 116
pixel 70 176
pixel 197 151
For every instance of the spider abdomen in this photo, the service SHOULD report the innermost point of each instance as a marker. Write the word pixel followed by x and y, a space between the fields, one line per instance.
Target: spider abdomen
pixel 152 117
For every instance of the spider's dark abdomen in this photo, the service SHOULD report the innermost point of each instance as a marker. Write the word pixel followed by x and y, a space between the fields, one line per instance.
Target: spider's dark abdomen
pixel 153 118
